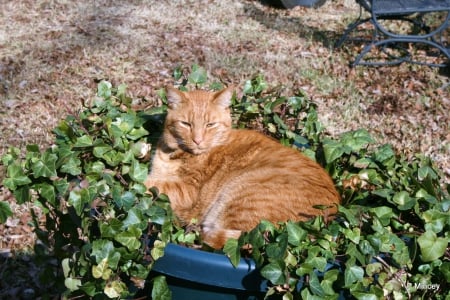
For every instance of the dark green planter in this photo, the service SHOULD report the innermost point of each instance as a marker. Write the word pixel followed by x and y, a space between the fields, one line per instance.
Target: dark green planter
pixel 201 275
pixel 306 3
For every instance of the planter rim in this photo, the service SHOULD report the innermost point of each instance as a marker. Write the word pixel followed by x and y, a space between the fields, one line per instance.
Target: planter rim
pixel 209 268
pixel 305 3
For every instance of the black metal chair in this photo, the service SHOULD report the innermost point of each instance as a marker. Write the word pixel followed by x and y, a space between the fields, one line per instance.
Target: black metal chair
pixel 394 45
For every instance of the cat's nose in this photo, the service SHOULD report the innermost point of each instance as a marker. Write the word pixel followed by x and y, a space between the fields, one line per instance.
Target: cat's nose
pixel 197 140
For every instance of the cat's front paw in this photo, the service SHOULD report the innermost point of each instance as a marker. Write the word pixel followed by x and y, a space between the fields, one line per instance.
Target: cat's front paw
pixel 216 237
pixel 149 183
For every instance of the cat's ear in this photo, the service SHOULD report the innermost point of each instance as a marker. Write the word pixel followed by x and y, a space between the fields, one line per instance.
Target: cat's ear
pixel 174 97
pixel 223 97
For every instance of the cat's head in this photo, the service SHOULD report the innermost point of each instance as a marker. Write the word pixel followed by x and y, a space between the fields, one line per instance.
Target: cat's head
pixel 198 121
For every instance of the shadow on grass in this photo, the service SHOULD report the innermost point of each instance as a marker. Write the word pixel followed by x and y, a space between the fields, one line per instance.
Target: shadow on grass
pixel 343 41
pixel 292 25
pixel 28 276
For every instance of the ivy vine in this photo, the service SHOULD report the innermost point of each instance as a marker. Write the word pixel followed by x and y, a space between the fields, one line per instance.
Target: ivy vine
pixel 390 239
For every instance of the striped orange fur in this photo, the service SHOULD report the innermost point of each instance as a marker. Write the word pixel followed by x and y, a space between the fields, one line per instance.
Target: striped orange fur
pixel 229 179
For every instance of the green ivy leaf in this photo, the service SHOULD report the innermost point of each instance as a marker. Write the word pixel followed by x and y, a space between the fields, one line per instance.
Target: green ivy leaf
pixel 353 274
pixel 177 73
pixel 375 242
pixel 126 200
pixel 102 249
pixel 45 166
pixel 130 238
pixel 137 133
pixel 366 248
pixel 365 296
pixel 115 131
pixel 306 295
pixel 83 141
pixel 81 199
pixel 160 289
pixel 248 88
pixel 76 201
pixel 384 153
pixel 318 262
pixel 255 86
pixel 328 280
pixel 384 193
pixel 431 246
pixel 15 177
pixel 435 220
pixel 89 288
pixel 101 149
pixel 304 268
pixel 426 171
pixel 423 194
pixel 97 167
pixel 352 234
pixel 72 166
pixel 126 122
pixel 65 264
pixel 47 192
pixel 403 200
pixel 113 158
pixel 383 213
pixel 277 250
pixel 350 215
pixel 158 249
pixel 104 89
pixel 187 238
pixel 72 284
pixel 233 251
pixel 374 268
pixel 198 75
pixel 158 215
pixel 296 234
pixel 115 288
pixel 356 140
pixel 314 285
pixel 445 269
pixel 22 194
pixel 111 228
pixel 333 150
pixel 134 217
pixel 274 272
pixel 121 91
pixel 64 130
pixel 102 270
pixel 5 211
pixel 370 175
pixel 266 226
pixel 138 172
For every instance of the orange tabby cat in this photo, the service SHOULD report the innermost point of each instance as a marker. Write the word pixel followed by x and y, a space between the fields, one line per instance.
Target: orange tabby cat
pixel 228 179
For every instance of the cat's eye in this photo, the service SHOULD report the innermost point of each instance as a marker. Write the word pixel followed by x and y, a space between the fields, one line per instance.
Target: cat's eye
pixel 209 125
pixel 186 124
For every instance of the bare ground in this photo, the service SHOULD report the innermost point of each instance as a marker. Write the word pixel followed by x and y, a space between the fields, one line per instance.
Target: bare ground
pixel 54 52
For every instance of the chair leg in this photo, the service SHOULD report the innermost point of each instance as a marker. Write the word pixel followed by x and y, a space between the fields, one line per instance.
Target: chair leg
pixel 397 60
pixel 349 29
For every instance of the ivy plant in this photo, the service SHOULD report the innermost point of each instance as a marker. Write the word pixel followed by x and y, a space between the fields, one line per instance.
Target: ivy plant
pixel 389 240
pixel 101 224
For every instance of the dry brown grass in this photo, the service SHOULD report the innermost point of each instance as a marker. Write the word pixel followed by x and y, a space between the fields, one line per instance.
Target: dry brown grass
pixel 52 54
